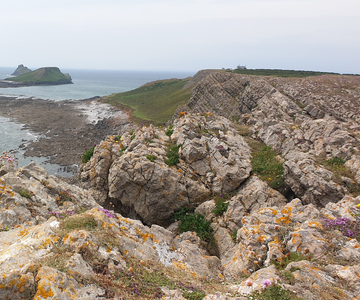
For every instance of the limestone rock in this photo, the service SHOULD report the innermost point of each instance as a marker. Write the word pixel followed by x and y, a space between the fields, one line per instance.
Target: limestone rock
pixel 255 281
pixel 213 158
pixel 313 184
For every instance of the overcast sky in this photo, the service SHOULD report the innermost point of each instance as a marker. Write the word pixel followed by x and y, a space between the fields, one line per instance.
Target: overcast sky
pixel 186 35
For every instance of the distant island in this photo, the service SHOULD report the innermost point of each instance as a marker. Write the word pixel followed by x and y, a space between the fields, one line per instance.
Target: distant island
pixel 42 76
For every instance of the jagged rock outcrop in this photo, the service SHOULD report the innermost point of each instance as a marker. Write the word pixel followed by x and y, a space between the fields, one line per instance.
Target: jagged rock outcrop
pixel 67 246
pixel 133 173
pixel 21 69
pixel 314 116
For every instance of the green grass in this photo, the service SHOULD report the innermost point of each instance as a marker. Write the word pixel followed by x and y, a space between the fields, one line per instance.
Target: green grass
pixel 273 292
pixel 51 75
pixel 154 102
pixel 87 155
pixel 281 73
pixel 220 208
pixel 79 222
pixel 268 168
pixel 290 257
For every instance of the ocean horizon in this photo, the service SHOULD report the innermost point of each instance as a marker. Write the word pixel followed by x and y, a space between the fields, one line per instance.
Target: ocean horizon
pixel 89 83
pixel 86 84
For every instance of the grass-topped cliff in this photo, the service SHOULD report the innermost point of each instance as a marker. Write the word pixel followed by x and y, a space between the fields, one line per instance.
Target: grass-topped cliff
pixel 153 102
pixel 43 76
pixel 281 73
pixel 156 102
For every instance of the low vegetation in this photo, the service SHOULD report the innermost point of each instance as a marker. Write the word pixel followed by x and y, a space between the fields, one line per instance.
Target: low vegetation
pixel 140 279
pixel 268 167
pixel 151 157
pixel 172 155
pixel 25 194
pixel 190 221
pixel 273 292
pixel 154 102
pixel 348 227
pixel 87 155
pixel 220 208
pixel 281 263
pixel 280 73
pixel 337 166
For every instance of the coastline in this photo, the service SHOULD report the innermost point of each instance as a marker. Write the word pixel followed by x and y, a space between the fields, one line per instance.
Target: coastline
pixel 66 128
pixel 14 84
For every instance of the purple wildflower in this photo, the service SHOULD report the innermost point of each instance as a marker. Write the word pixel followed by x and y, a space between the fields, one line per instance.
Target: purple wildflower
pixel 107 212
pixel 266 283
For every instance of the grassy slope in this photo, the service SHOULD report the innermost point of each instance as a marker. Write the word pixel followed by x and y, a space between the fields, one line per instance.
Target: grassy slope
pixel 46 75
pixel 154 102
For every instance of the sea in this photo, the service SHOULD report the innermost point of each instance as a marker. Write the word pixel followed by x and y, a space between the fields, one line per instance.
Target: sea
pixel 87 84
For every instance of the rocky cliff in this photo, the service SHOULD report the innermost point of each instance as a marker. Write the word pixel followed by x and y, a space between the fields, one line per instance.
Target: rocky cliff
pixel 21 69
pixel 250 193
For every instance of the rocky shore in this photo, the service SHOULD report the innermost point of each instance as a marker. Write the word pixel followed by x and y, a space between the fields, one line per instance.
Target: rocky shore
pixel 252 191
pixel 67 128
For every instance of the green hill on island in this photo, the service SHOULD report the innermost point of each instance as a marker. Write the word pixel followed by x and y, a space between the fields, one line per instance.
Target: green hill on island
pixel 43 76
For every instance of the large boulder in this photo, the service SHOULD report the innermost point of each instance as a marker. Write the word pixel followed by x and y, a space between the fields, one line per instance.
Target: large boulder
pixel 137 176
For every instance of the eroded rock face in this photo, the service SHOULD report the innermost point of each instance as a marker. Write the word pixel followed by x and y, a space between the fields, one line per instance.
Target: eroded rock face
pixel 133 173
pixel 30 196
pixel 295 116
pixel 267 230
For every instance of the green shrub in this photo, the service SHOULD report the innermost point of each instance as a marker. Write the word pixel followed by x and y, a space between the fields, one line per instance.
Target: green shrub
pixel 172 155
pixel 121 151
pixel 190 221
pixel 170 131
pixel 25 194
pixel 233 235
pixel 335 161
pixel 193 295
pixel 151 157
pixel 220 208
pixel 87 155
pixel 273 292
